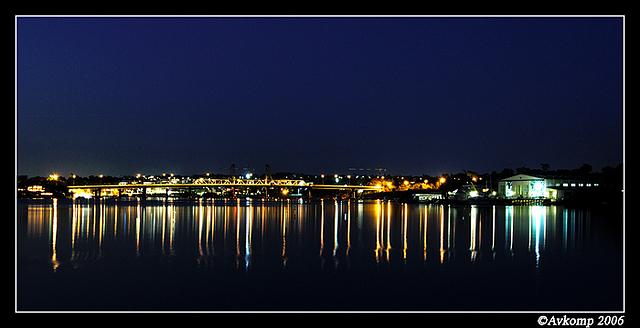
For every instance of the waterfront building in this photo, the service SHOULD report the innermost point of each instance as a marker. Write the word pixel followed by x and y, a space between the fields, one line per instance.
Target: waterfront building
pixel 552 187
pixel 426 195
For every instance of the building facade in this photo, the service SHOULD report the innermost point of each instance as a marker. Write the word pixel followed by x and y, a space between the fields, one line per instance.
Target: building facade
pixel 523 186
pixel 543 187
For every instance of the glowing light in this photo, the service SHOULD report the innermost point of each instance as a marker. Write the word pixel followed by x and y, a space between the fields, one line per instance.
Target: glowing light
pixel 82 193
pixel 443 180
pixel 35 188
pixel 537 189
pixel 509 189
pixel 53 177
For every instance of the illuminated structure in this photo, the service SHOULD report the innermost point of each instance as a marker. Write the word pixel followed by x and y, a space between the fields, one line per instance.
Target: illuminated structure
pixel 522 186
pixel 148 188
pixel 542 187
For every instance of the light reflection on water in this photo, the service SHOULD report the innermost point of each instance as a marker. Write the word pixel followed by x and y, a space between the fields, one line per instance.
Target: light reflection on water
pixel 288 228
pixel 440 245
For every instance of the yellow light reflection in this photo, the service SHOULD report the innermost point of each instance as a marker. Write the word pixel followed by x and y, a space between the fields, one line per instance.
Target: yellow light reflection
pixel 54 236
pixel 200 229
pixel 321 227
pixel 378 232
pixel 138 219
pixel 172 225
pixel 405 219
pixel 441 234
pixel 237 218
pixel 424 233
pixel 388 249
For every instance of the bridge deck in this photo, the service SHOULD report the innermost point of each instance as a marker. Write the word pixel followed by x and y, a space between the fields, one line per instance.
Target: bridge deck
pixel 228 183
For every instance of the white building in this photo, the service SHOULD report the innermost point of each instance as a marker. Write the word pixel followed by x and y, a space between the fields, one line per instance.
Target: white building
pixel 548 187
pixel 523 186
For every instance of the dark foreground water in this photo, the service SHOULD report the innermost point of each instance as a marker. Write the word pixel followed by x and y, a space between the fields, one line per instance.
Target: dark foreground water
pixel 221 255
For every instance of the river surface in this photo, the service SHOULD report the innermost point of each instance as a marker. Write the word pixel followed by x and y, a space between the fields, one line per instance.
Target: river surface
pixel 289 255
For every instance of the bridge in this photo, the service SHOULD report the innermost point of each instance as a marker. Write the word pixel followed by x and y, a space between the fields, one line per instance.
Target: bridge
pixel 231 183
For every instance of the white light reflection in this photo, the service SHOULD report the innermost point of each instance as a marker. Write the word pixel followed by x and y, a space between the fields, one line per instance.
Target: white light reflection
pixel 74 227
pixel 335 227
pixel 138 219
pixel 493 232
pixel 508 231
pixel 247 237
pixel 200 232
pixel 348 214
pixel 474 231
pixel 537 220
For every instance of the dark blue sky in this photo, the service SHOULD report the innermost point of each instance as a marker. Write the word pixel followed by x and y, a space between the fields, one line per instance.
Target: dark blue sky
pixel 127 95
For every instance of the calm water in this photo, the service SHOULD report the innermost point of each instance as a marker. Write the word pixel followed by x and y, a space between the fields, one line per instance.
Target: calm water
pixel 318 255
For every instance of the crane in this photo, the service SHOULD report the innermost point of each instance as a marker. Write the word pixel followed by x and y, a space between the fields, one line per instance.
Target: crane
pixel 232 171
pixel 472 185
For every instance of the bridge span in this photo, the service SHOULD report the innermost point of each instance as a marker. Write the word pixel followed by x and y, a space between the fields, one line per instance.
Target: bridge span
pixel 244 183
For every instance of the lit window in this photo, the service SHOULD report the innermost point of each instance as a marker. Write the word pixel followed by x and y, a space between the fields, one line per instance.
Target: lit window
pixel 537 189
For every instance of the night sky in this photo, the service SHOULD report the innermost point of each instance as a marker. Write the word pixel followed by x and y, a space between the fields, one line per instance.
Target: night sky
pixel 190 95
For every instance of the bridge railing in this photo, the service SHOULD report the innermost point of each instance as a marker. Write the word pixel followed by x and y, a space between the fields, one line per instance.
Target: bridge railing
pixel 242 182
pixel 206 182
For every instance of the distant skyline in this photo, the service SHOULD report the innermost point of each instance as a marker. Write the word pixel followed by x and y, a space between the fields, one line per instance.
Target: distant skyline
pixel 415 95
